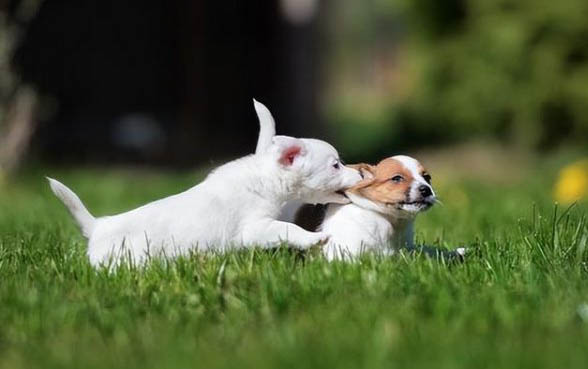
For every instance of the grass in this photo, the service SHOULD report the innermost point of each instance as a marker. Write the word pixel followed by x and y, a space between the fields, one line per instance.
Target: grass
pixel 520 300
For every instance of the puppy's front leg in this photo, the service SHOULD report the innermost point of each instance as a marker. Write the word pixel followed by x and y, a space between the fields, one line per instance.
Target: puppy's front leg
pixel 270 233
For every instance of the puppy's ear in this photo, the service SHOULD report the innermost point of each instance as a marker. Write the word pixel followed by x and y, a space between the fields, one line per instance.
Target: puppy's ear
pixel 289 154
pixel 289 149
pixel 368 173
pixel 366 170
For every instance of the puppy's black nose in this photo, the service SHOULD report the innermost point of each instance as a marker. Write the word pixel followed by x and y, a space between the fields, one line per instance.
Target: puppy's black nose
pixel 425 191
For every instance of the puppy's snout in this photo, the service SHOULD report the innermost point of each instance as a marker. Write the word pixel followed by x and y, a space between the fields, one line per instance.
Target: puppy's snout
pixel 353 176
pixel 425 191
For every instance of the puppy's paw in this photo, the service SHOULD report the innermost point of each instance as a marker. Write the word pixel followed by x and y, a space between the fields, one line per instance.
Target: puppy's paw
pixel 315 239
pixel 323 239
pixel 461 251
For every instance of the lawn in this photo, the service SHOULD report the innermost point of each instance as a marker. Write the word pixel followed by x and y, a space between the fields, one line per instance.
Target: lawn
pixel 519 301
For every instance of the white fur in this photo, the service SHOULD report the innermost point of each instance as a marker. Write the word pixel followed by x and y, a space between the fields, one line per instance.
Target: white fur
pixel 235 206
pixel 366 225
pixel 77 209
pixel 267 130
pixel 267 127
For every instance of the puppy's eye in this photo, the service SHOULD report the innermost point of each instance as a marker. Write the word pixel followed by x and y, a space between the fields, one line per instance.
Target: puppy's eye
pixel 397 179
pixel 336 165
pixel 427 177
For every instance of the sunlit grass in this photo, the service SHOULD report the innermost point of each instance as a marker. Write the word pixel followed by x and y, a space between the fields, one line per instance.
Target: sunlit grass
pixel 518 301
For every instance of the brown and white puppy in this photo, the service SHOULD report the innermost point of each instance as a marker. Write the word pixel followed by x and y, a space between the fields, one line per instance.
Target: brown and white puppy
pixel 383 209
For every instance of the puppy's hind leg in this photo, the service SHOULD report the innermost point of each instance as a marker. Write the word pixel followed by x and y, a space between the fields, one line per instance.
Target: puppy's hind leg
pixel 271 233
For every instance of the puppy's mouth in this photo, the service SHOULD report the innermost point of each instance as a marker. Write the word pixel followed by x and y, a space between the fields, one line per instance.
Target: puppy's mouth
pixel 341 197
pixel 415 206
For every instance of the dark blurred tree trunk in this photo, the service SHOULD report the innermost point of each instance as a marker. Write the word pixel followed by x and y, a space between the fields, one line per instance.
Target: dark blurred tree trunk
pixel 18 127
pixel 18 101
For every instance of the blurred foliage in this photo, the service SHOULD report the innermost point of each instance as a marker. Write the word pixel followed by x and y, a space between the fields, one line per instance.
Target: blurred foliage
pixel 514 70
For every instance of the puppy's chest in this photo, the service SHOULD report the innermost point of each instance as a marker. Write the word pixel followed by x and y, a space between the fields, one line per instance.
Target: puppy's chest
pixel 354 226
pixel 378 229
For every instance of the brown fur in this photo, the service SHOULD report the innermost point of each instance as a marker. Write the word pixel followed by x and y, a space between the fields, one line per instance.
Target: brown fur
pixel 380 188
pixel 376 186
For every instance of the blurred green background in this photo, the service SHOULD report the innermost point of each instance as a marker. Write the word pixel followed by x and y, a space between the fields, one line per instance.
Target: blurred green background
pixel 170 85
pixel 424 72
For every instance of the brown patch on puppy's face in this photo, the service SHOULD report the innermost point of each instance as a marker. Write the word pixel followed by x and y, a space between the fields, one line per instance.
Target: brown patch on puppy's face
pixel 398 183
pixel 390 182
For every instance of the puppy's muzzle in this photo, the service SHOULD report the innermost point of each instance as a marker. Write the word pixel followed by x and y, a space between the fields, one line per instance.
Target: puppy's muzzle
pixel 425 191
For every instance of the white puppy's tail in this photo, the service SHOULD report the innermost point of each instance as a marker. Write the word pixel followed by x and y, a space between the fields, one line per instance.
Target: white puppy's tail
pixel 75 206
pixel 267 127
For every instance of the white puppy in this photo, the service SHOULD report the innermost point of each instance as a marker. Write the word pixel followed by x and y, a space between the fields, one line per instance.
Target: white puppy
pixel 235 206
